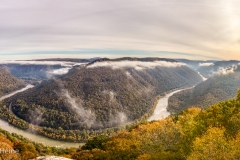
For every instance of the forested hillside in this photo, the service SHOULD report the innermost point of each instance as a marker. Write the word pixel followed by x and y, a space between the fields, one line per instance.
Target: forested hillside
pixel 9 83
pixel 195 134
pixel 217 88
pixel 95 97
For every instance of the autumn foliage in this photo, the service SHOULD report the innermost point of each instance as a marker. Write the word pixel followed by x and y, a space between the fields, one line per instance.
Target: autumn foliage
pixel 194 134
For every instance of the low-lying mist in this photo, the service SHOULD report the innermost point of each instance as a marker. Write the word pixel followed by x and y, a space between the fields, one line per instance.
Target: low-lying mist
pixel 206 64
pixel 225 71
pixel 138 65
pixel 87 116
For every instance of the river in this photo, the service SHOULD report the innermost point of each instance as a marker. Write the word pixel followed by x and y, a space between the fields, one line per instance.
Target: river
pixel 160 111
pixel 13 93
pixel 34 137
pixel 203 78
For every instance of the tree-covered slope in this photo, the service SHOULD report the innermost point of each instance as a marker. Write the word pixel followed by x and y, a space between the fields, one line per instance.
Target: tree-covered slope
pixel 9 83
pixel 194 134
pixel 96 97
pixel 217 88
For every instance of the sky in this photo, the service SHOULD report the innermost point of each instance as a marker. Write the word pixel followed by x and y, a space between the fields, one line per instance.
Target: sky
pixel 199 29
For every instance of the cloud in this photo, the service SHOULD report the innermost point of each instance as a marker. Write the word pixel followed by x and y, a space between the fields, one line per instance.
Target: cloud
pixel 206 64
pixel 60 71
pixel 209 28
pixel 225 71
pixel 138 65
pixel 119 118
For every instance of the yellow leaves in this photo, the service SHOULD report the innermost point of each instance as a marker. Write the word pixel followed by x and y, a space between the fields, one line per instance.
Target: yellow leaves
pixel 5 140
pixel 188 116
pixel 122 144
pixel 144 157
pixel 83 155
pixel 194 134
pixel 212 146
pixel 6 149
pixel 238 96
pixel 194 111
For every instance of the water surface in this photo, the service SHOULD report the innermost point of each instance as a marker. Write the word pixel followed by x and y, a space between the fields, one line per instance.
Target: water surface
pixel 160 111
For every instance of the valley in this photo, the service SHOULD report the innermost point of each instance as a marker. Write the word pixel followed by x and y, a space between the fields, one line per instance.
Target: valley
pixel 108 96
pixel 94 99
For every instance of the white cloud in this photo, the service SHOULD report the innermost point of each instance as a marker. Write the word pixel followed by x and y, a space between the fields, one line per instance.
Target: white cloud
pixel 138 65
pixel 225 71
pixel 60 71
pixel 206 64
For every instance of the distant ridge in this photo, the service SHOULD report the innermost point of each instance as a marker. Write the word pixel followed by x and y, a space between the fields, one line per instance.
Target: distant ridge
pixel 66 60
pixel 147 59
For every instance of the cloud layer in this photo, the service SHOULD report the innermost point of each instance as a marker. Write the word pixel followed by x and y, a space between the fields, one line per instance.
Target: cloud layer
pixel 225 71
pixel 138 65
pixel 201 28
pixel 206 64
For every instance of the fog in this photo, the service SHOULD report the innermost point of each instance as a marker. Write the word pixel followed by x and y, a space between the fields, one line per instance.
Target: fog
pixel 119 118
pixel 86 115
pixel 138 65
pixel 225 71
pixel 60 71
pixel 206 64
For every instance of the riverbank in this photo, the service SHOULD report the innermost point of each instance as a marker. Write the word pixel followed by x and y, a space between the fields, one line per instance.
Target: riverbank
pixel 31 135
pixel 18 91
pixel 161 111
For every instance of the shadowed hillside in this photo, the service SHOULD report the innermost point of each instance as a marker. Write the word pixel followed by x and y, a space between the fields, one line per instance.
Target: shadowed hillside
pixel 9 83
pixel 217 88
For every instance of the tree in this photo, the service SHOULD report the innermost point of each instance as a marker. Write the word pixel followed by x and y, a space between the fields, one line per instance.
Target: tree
pixel 212 146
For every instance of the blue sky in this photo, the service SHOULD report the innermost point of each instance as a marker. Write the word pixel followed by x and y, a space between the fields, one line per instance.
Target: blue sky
pixel 117 28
